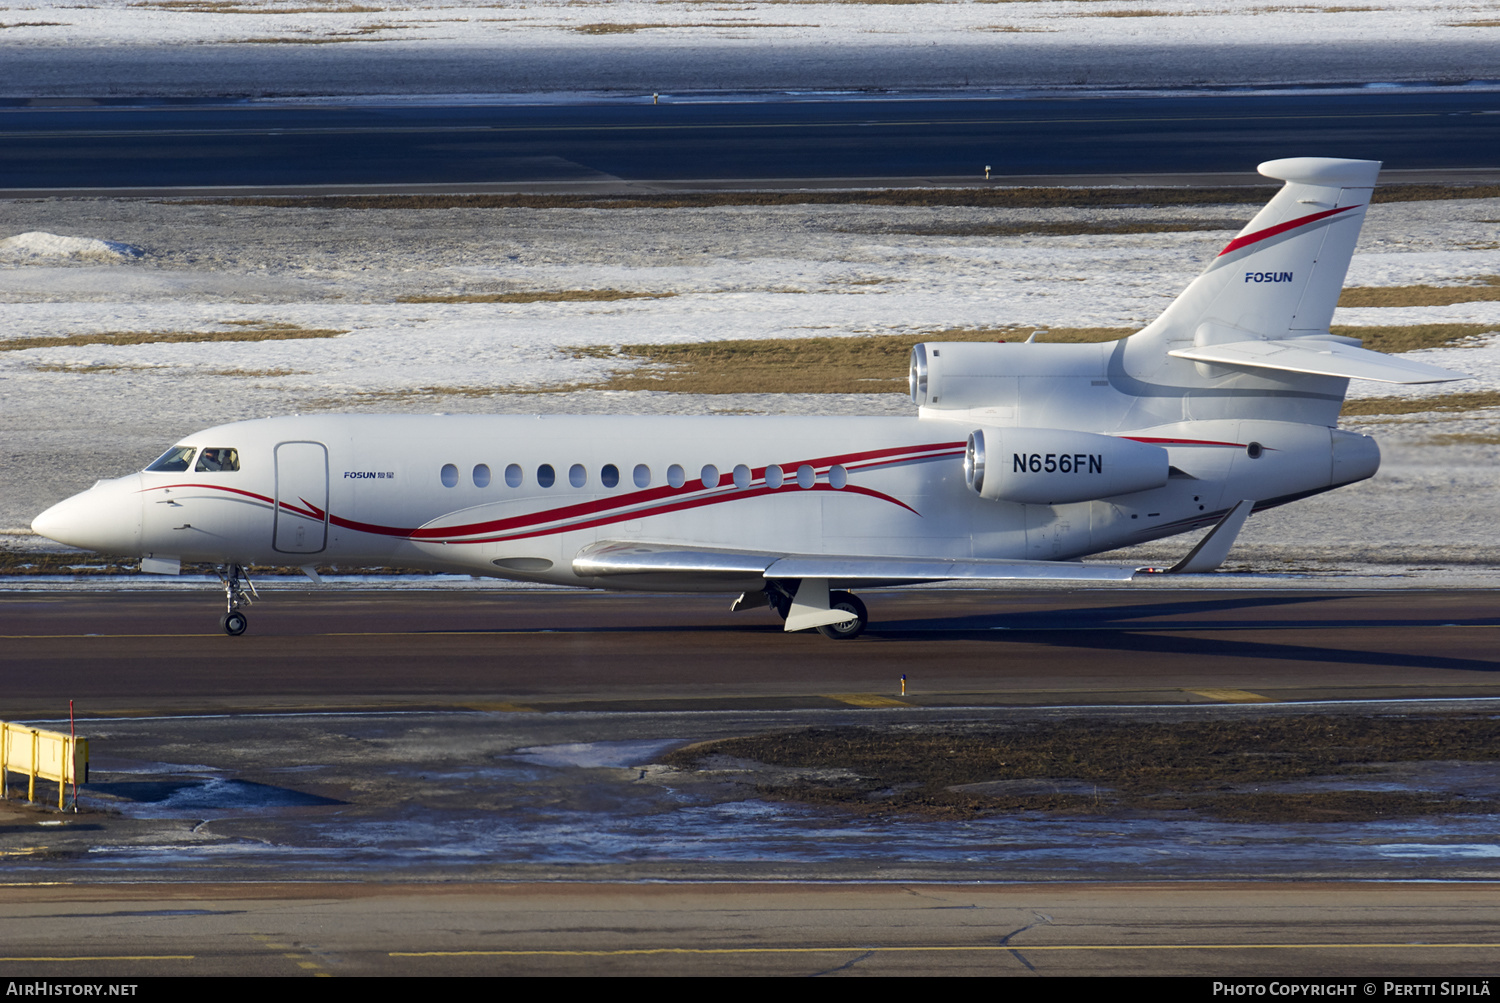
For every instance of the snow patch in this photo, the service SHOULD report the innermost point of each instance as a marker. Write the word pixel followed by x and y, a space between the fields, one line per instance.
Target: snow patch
pixel 40 244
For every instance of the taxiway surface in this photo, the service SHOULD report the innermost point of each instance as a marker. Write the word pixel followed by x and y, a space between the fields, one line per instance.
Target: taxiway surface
pixel 154 652
pixel 1214 929
pixel 460 783
pixel 737 141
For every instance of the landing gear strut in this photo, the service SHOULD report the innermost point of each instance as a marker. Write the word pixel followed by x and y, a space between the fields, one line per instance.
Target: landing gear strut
pixel 239 591
pixel 784 596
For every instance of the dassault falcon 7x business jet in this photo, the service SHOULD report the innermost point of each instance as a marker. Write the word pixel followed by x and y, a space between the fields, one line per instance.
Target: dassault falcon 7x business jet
pixel 1021 458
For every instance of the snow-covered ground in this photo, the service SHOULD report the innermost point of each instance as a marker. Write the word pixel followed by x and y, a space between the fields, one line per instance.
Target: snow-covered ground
pixel 71 414
pixel 317 47
pixel 666 23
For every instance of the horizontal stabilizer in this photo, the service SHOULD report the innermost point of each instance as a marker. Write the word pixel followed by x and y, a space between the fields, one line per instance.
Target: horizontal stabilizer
pixel 1321 358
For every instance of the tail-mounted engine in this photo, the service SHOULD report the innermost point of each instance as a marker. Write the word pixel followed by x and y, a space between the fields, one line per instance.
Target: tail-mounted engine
pixel 956 375
pixel 1050 466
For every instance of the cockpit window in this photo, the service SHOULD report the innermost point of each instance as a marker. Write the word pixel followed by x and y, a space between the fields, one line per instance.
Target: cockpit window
pixel 175 459
pixel 218 458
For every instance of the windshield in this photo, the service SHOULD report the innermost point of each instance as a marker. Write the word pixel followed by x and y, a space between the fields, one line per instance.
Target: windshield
pixel 174 459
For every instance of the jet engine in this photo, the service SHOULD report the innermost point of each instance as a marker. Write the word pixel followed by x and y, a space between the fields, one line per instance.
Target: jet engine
pixel 1050 466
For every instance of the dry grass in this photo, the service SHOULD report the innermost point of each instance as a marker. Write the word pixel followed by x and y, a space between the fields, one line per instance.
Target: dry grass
pixel 37 24
pixel 1474 400
pixel 231 7
pixel 1115 767
pixel 1133 13
pixel 1394 339
pixel 544 296
pixel 325 40
pixel 1387 296
pixel 1475 24
pixel 873 364
pixel 623 28
pixel 101 368
pixel 256 372
pixel 979 197
pixel 1433 193
pixel 250 331
pixel 1465 439
pixel 878 363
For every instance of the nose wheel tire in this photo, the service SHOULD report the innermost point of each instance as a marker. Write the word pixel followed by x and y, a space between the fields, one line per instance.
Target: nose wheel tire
pixel 234 623
pixel 852 627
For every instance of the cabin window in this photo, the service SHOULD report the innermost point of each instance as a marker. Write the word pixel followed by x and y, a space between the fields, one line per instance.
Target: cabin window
pixel 741 476
pixel 482 475
pixel 218 459
pixel 175 459
pixel 545 475
pixel 642 476
pixel 709 476
pixel 774 476
pixel 676 476
pixel 449 474
pixel 578 476
pixel 513 476
pixel 609 476
pixel 838 476
pixel 805 476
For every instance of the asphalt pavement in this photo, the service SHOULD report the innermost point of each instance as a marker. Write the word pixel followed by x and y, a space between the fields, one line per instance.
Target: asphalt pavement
pixel 130 146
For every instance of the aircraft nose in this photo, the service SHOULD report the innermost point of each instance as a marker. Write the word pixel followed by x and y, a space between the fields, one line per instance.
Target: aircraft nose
pixel 106 518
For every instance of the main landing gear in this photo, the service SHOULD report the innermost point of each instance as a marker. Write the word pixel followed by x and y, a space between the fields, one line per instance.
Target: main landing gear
pixel 782 596
pixel 239 591
pixel 852 627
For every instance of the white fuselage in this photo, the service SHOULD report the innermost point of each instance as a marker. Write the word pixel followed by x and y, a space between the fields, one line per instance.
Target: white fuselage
pixel 467 493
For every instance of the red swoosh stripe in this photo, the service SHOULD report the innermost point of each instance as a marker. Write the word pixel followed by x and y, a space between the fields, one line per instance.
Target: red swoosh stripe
pixel 687 503
pixel 1183 442
pixel 638 504
pixel 1271 231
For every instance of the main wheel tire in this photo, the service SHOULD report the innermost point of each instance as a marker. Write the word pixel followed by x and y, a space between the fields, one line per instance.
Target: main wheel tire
pixel 782 604
pixel 852 627
pixel 234 624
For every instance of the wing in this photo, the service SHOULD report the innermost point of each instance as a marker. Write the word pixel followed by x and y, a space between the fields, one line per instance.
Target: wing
pixel 704 567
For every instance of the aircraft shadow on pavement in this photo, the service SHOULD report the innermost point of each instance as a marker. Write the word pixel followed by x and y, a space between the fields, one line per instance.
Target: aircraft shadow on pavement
pixel 1120 629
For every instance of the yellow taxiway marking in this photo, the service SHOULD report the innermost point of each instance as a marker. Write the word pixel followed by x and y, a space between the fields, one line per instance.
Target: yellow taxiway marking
pixel 866 700
pixel 1023 948
pixel 291 953
pixel 1231 696
pixel 107 957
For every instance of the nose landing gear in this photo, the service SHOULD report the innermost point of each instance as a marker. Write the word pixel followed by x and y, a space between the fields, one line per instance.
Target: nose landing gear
pixel 239 591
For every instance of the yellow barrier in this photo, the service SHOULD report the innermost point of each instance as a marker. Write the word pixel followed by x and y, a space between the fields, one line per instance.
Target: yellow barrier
pixel 50 755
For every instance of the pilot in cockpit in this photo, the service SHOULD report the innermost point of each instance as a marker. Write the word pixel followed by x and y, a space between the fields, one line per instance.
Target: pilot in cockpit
pixel 218 459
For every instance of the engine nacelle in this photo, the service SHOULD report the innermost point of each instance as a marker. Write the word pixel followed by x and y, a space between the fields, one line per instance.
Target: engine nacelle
pixel 1050 466
pixel 957 375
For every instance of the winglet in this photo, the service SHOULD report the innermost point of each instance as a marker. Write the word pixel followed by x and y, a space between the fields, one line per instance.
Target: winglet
pixel 1214 547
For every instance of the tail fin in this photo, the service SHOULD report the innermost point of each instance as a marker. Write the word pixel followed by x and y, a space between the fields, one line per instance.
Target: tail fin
pixel 1281 275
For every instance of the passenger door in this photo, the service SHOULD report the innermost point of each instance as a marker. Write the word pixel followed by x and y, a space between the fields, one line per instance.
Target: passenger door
pixel 301 525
